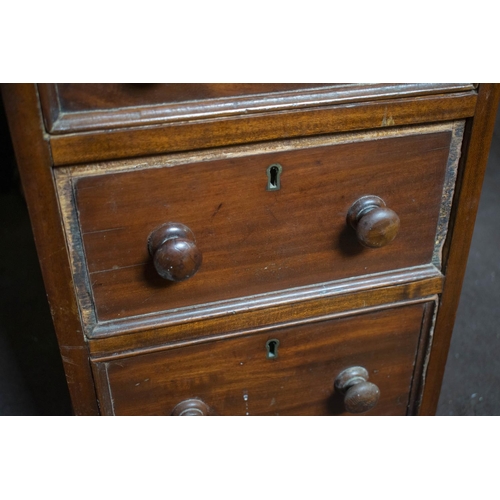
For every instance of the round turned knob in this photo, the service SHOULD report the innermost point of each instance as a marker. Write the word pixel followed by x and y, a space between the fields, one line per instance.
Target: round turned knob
pixel 375 224
pixel 191 408
pixel 175 254
pixel 359 394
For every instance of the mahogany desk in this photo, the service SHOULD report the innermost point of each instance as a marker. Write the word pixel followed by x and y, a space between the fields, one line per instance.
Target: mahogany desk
pixel 252 249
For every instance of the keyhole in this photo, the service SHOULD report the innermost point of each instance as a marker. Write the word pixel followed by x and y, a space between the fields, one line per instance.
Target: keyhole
pixel 272 348
pixel 273 177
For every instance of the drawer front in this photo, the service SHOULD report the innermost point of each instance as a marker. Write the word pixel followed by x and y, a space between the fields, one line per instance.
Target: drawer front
pixel 75 107
pixel 78 97
pixel 253 240
pixel 240 376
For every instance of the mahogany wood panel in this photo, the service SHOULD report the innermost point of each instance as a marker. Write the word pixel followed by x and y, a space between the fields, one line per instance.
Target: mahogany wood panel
pixel 252 240
pixel 78 107
pixel 85 97
pixel 34 162
pixel 237 377
pixel 178 346
pixel 249 128
pixel 475 158
pixel 114 340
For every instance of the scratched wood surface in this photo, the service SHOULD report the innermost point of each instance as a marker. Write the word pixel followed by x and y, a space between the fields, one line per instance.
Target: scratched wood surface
pixel 245 128
pixel 252 240
pixel 216 321
pixel 82 97
pixel 144 365
pixel 72 107
pixel 478 137
pixel 235 376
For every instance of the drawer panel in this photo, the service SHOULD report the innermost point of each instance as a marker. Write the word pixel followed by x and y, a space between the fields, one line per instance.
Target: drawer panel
pixel 78 97
pixel 253 240
pixel 237 377
pixel 74 107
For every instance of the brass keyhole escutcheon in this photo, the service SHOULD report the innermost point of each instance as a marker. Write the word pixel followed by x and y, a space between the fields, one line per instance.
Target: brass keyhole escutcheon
pixel 272 348
pixel 274 177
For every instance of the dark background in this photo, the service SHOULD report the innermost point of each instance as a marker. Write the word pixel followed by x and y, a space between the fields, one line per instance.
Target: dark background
pixel 32 379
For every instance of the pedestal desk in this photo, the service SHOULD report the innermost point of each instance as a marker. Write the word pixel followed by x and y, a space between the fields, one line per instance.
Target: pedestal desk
pixel 252 249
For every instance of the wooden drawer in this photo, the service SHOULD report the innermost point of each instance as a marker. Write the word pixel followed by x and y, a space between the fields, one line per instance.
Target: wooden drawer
pixel 253 240
pixel 237 376
pixel 75 107
pixel 81 97
pixel 104 166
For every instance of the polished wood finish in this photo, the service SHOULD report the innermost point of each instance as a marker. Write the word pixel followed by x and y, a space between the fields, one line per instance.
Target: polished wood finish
pixel 360 395
pixel 289 300
pixel 235 376
pixel 71 107
pixel 474 160
pixel 175 254
pixel 255 241
pixel 375 224
pixel 34 164
pixel 343 299
pixel 189 135
pixel 83 97
pixel 82 107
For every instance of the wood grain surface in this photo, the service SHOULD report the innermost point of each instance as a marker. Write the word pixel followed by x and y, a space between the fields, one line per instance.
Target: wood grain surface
pixel 77 97
pixel 245 128
pixel 286 298
pixel 75 107
pixel 252 240
pixel 148 333
pixel 236 377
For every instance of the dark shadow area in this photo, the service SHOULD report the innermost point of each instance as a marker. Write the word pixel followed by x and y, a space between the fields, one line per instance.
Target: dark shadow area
pixel 336 404
pixel 32 380
pixel 348 243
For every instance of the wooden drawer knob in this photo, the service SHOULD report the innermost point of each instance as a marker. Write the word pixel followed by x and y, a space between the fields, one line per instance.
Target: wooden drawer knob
pixel 191 408
pixel 175 254
pixel 359 394
pixel 375 224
